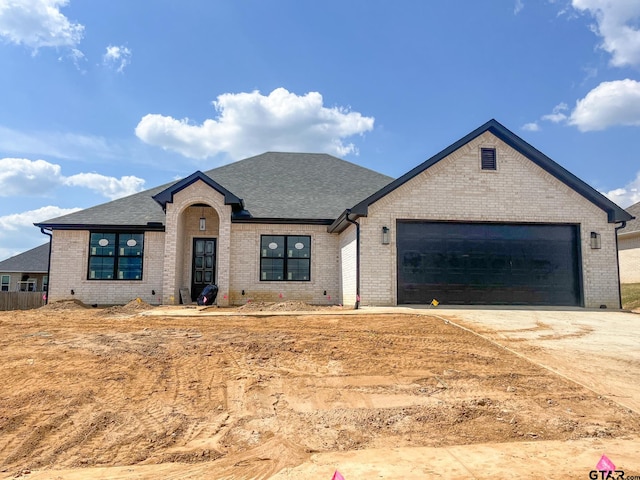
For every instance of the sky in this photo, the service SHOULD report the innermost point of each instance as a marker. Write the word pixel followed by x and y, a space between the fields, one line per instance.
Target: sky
pixel 100 99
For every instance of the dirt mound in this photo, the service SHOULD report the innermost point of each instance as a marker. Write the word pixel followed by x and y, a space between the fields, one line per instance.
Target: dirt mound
pixel 131 308
pixel 64 305
pixel 288 306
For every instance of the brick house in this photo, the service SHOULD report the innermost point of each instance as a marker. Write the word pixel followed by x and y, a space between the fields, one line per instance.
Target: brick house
pixel 629 247
pixel 489 220
pixel 25 272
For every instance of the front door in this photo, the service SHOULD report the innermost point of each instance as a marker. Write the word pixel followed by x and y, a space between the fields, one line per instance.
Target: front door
pixel 204 265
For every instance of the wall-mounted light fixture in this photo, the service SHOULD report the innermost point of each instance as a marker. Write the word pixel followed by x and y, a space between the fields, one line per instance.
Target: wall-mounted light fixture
pixel 203 221
pixel 385 235
pixel 595 240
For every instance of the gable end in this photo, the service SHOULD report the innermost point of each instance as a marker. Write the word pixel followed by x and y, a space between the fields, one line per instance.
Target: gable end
pixel 166 196
pixel 615 214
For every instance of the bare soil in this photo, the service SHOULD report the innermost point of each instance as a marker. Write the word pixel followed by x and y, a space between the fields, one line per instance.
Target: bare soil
pixel 247 395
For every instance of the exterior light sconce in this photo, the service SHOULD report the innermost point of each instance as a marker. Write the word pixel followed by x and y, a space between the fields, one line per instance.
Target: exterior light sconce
pixel 203 220
pixel 595 240
pixel 385 235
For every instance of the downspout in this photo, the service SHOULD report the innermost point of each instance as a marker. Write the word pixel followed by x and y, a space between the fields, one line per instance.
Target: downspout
pixel 348 212
pixel 50 235
pixel 624 224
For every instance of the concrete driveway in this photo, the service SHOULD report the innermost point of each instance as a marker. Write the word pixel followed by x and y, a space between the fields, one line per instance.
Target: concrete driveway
pixel 596 348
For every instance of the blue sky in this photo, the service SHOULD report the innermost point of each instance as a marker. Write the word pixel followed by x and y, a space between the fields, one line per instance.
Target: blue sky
pixel 103 98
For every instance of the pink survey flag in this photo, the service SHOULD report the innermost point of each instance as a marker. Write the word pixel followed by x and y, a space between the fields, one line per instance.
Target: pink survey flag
pixel 605 464
pixel 337 476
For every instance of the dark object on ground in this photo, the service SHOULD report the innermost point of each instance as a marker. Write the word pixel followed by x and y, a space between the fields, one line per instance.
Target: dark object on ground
pixel 208 295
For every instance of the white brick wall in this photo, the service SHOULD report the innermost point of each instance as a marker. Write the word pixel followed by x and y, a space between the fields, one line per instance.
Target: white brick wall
pixel 457 189
pixel 348 265
pixel 629 253
pixel 245 259
pixel 70 261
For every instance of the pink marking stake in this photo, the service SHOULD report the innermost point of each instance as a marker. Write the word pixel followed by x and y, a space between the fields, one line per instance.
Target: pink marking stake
pixel 605 464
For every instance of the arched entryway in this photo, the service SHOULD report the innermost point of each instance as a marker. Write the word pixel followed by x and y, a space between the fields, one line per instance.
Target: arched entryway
pixel 200 231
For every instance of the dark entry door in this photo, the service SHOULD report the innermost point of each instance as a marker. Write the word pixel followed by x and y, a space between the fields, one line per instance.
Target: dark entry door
pixel 482 263
pixel 204 265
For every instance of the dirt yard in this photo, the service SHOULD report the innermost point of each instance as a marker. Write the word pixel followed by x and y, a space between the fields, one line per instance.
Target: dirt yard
pixel 245 396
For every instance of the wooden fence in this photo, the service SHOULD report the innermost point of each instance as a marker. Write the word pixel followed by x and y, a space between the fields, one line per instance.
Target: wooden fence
pixel 21 300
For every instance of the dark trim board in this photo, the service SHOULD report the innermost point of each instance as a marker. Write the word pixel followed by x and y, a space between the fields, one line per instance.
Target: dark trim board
pixel 488 263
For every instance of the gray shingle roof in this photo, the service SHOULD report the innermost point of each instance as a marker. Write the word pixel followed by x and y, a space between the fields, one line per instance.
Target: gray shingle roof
pixel 298 185
pixel 273 186
pixel 632 226
pixel 35 260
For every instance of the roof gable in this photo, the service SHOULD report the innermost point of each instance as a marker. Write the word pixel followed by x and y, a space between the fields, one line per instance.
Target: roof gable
pixel 614 212
pixel 166 195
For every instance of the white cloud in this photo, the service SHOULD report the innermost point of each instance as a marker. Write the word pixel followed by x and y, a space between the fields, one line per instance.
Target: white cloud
pixel 617 25
pixel 251 123
pixel 18 233
pixel 117 57
pixel 20 176
pixel 109 187
pixel 17 221
pixel 518 7
pixel 38 23
pixel 609 104
pixel 531 127
pixel 626 196
pixel 557 115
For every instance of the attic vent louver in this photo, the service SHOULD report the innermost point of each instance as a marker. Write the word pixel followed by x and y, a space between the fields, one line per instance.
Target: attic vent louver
pixel 488 159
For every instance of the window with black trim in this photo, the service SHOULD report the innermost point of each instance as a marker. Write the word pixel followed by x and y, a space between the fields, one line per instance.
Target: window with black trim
pixel 285 258
pixel 5 282
pixel 488 159
pixel 115 256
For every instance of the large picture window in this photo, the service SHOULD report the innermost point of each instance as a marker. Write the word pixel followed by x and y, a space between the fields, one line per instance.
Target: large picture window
pixel 285 258
pixel 115 256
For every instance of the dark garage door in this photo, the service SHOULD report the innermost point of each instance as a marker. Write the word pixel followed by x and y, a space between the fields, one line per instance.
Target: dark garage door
pixel 484 264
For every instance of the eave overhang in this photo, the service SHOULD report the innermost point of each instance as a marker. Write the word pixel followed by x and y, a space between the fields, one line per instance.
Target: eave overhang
pixel 149 227
pixel 285 221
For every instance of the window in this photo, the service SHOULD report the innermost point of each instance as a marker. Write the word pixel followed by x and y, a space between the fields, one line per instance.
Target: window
pixel 115 256
pixel 285 258
pixel 5 282
pixel 27 285
pixel 488 159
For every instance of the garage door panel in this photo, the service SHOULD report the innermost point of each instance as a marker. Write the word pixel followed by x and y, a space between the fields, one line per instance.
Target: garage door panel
pixel 467 263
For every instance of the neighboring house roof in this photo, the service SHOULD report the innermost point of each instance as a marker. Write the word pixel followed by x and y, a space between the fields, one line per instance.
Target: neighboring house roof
pixel 632 226
pixel 614 212
pixel 274 186
pixel 35 260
